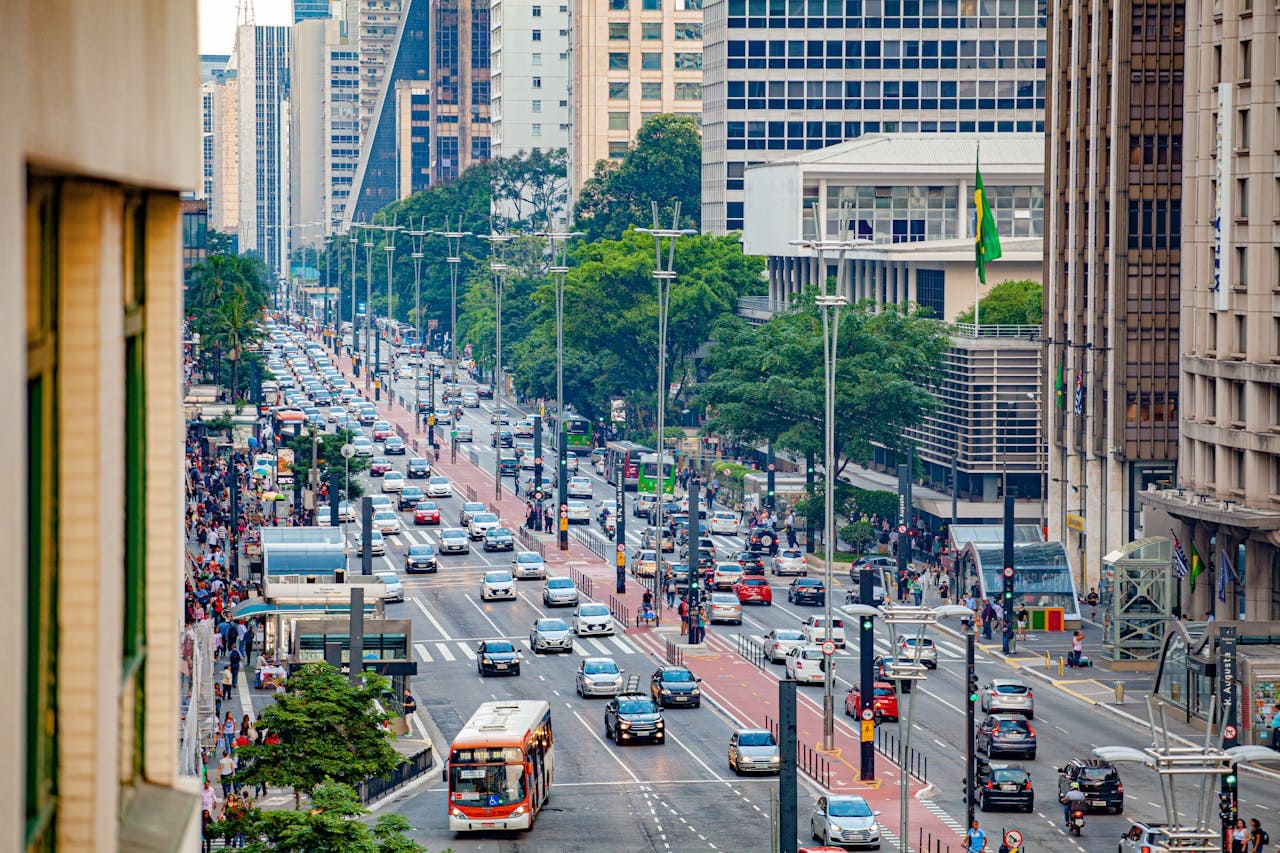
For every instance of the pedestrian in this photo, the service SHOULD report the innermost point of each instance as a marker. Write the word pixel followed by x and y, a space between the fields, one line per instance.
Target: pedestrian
pixel 671 589
pixel 227 681
pixel 1077 648
pixel 409 705
pixel 1022 622
pixel 1258 837
pixel 206 834
pixel 235 659
pixel 208 796
pixel 229 732
pixel 1275 727
pixel 528 516
pixel 1239 837
pixel 1091 599
pixel 975 838
pixel 988 616
pixel 227 772
pixel 684 617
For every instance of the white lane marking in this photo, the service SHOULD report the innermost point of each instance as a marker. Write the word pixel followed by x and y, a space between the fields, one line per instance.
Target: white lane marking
pixel 410 536
pixel 622 644
pixel 604 650
pixel 432 619
pixel 694 756
pixel 444 651
pixel 422 652
pixel 605 747
pixel 466 650
pixel 497 632
pixel 580 651
pixel 390 566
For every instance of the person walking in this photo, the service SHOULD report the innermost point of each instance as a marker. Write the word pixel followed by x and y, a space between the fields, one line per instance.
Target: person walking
pixel 671 589
pixel 227 772
pixel 229 732
pixel 235 659
pixel 1258 837
pixel 1239 836
pixel 975 839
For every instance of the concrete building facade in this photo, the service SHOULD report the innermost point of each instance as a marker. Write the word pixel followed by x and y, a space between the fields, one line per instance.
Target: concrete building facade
pixel 528 42
pixel 262 60
pixel 461 133
pixel 787 77
pixel 220 147
pixel 1113 271
pixel 1228 484
pixel 92 166
pixel 628 60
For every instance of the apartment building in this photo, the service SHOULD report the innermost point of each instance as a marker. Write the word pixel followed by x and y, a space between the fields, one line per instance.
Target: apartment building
pixel 262 55
pixel 529 49
pixel 461 133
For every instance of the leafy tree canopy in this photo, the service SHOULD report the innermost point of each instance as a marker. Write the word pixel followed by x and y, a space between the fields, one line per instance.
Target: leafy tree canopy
pixel 1009 303
pixel 225 299
pixel 331 825
pixel 663 165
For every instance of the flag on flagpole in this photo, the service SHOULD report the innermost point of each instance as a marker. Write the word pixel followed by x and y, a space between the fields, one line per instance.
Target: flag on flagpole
pixel 1180 565
pixel 986 236
pixel 1061 385
pixel 1226 574
pixel 1079 402
pixel 1197 565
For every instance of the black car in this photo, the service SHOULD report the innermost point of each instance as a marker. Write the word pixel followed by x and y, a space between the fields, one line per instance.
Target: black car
pixel 499 539
pixel 497 657
pixel 417 469
pixel 879 663
pixel 1003 786
pixel 752 563
pixel 484 391
pixel 1099 782
pixel 501 438
pixel 420 558
pixel 632 717
pixel 807 591
pixel 1006 735
pixel 409 497
pixel 675 685
pixel 764 539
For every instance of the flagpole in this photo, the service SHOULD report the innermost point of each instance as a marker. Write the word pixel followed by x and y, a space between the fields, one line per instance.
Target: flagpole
pixel 977 270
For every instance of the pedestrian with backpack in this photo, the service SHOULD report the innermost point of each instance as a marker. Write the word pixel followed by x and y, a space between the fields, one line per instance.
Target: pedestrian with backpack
pixel 1258 837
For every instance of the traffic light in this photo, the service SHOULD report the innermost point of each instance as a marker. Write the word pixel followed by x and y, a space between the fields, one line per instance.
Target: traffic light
pixel 866 623
pixel 1007 590
pixel 1228 798
pixel 973 688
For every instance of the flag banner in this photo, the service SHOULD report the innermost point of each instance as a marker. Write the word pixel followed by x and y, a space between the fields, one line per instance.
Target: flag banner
pixel 1079 401
pixel 1226 574
pixel 1061 385
pixel 1197 565
pixel 1180 565
pixel 986 236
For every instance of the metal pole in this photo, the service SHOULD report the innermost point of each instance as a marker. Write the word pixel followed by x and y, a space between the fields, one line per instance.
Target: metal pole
pixel 415 252
pixel 866 671
pixel 1007 586
pixel 970 762
pixel 694 636
pixel 788 787
pixel 353 240
pixel 368 305
pixel 366 535
pixel 385 338
pixel 355 655
pixel 830 338
pixel 498 267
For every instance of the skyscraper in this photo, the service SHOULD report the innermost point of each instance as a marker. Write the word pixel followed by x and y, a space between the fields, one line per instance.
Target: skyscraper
pixel 530 44
pixel 784 77
pixel 306 10
pixel 1113 198
pixel 262 55
pixel 460 83
pixel 212 71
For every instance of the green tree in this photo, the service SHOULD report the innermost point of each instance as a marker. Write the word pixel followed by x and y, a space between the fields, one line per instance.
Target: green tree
pixel 328 730
pixel 226 295
pixel 1009 303
pixel 220 243
pixel 663 165
pixel 328 456
pixel 331 825
pixel 532 187
pixel 860 535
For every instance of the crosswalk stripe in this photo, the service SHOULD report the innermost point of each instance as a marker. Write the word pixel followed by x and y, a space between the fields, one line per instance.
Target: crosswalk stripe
pixel 410 536
pixel 951 647
pixel 604 650
pixel 422 652
pixel 444 651
pixel 579 650
pixel 467 650
pixel 622 644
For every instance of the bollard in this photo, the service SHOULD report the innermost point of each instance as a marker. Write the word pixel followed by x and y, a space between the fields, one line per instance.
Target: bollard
pixel 1048 661
pixel 1062 667
pixel 1119 692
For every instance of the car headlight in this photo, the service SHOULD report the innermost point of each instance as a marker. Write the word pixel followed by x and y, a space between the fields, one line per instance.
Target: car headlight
pixel 695 692
pixel 457 813
pixel 521 810
pixel 835 828
pixel 665 692
pixel 660 724
pixel 624 725
pixel 486 661
pixel 775 759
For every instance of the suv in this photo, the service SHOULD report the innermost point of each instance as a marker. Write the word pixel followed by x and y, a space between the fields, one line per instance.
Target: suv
pixel 1004 785
pixel 1006 734
pixel 1099 782
pixel 1145 838
pixel 633 717
pixel 764 539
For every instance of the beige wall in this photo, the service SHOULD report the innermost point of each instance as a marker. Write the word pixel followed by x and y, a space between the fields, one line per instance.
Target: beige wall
pixel 960 278
pixel 103 96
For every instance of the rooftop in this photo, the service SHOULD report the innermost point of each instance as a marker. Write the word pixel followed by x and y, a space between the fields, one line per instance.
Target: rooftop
pixel 926 153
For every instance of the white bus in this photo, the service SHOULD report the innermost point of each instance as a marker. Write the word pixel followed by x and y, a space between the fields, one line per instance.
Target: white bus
pixel 501 766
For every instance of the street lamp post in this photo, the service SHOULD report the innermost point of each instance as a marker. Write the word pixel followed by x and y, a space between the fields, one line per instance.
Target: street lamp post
pixel 665 276
pixel 559 245
pixel 385 338
pixel 498 267
pixel 352 239
pixel 368 301
pixel 415 252
pixel 454 259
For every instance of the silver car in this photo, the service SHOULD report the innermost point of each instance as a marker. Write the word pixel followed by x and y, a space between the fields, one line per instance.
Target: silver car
pixel 551 635
pixel 598 677
pixel 754 751
pixel 724 607
pixel 469 509
pixel 779 641
pixel 464 433
pixel 844 820
pixel 1008 696
pixel 560 592
pixel 454 541
pixel 909 647
pixel 528 564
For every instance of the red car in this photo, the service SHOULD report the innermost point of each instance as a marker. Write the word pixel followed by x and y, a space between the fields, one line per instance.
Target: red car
pixel 382 433
pixel 885 701
pixel 379 466
pixel 754 589
pixel 426 512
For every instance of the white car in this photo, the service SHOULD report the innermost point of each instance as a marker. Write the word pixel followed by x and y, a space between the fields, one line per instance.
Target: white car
pixel 723 523
pixel 804 663
pixel 791 561
pixel 386 522
pixel 528 564
pixel 454 541
pixel 377 543
pixel 497 584
pixel 779 641
pixel 439 487
pixel 724 607
pixel 579 512
pixel 592 619
pixel 392 481
pixel 815 630
pixel 579 487
pixel 395 589
pixel 481 523
pixel 380 502
pixel 363 445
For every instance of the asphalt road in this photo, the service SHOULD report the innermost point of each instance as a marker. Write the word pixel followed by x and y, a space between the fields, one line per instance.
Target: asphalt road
pixel 681 795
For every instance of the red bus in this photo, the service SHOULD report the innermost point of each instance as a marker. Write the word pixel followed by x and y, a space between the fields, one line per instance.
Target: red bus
pixel 501 767
pixel 628 453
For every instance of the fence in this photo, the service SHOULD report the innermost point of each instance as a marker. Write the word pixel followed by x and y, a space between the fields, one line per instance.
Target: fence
pixel 529 542
pixel 752 651
pixel 917 762
pixel 470 492
pixel 674 654
pixel 596 545
pixel 581 580
pixel 929 844
pixel 809 761
pixel 376 787
pixel 620 611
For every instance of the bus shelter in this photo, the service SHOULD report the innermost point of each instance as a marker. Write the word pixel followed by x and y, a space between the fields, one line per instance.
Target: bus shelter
pixel 1043 581
pixel 1136 596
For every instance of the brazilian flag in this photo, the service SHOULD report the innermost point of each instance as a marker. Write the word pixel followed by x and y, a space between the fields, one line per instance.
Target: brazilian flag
pixel 987 239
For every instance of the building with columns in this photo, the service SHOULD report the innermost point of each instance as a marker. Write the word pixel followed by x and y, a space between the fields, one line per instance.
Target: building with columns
pixel 908 199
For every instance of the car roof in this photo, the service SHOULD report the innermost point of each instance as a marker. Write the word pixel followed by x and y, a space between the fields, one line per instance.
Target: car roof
pixel 600 660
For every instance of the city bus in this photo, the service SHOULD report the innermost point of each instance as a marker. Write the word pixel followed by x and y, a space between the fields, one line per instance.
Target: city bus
pixel 628 453
pixel 501 767
pixel 648 480
pixel 576 431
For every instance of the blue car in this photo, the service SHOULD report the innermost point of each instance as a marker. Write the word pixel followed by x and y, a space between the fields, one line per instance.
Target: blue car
pixel 807 591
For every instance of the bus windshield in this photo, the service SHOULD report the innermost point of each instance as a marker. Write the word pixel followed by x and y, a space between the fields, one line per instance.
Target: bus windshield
pixel 487 784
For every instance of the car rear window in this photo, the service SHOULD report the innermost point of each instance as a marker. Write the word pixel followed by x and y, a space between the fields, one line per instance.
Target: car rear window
pixel 1008 775
pixel 1011 689
pixel 1013 725
pixel 811 654
pixel 1098 774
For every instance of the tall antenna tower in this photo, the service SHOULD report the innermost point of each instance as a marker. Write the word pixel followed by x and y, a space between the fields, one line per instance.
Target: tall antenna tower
pixel 244 13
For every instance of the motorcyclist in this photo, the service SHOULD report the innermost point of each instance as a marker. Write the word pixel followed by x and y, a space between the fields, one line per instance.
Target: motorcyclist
pixel 1072 801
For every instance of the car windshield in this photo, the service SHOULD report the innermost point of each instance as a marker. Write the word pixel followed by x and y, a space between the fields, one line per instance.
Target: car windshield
pixel 678 676
pixel 1008 775
pixel 497 577
pixel 756 739
pixel 637 706
pixel 848 808
pixel 452 534
pixel 392 475
pixel 600 667
pixel 439 481
pixel 526 558
pixel 420 551
pixel 484 517
pixel 498 532
pixel 499 647
pixel 1011 689
pixel 384 515
pixel 388 579
pixel 560 583
pixel 552 625
pixel 472 506
pixel 593 610
pixel 487 784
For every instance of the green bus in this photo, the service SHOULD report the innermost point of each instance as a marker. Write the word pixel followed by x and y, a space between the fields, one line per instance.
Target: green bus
pixel 647 482
pixel 576 433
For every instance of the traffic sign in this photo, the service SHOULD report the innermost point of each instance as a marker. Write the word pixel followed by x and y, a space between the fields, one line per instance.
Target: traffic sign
pixel 1013 838
pixel 829 648
pixel 537 460
pixel 868 714
pixel 1229 732
pixel 348 450
pixel 902 528
pixel 538 495
pixel 771 466
pixel 868 731
pixel 1008 571
pixel 564 510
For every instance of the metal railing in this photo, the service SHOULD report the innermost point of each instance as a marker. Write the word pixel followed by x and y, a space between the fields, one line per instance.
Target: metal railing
pixel 581 580
pixel 529 542
pixel 928 844
pixel 593 543
pixel 809 761
pixel 621 612
pixel 995 330
pixel 674 655
pixel 751 651
pixel 376 787
pixel 887 745
pixel 470 492
pixel 754 303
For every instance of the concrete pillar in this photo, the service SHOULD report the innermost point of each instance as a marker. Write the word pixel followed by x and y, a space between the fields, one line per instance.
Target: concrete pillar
pixel 913 294
pixel 877 283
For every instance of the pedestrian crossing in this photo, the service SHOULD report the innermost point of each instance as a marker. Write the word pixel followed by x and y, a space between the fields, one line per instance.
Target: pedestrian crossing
pixel 946 651
pixel 454 650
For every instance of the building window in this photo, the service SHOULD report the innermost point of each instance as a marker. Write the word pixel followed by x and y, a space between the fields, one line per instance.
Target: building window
pixel 689 5
pixel 536 130
pixel 1242 198
pixel 651 91
pixel 931 292
pixel 1238 391
pixel 688 91
pixel 619 61
pixel 41 743
pixel 535 59
pixel 537 82
pixel 651 31
pixel 618 5
pixel 537 13
pixel 617 150
pixel 651 61
pixel 1246 60
pixel 688 61
pixel 1238 470
pixel 619 121
pixel 536 35
pixel 1242 266
pixel 1242 129
pixel 535 106
pixel 651 5
pixel 689 32
pixel 619 31
pixel 619 90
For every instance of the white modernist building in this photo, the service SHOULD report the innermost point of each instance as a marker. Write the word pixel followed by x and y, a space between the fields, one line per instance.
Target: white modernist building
pixel 528 42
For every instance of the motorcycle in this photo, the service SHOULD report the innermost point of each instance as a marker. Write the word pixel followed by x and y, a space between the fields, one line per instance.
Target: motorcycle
pixel 1076 823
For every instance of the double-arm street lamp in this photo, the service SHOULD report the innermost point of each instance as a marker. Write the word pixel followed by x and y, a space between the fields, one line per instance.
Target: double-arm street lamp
pixel 353 240
pixel 558 243
pixel 497 266
pixel 368 301
pixel 454 259
pixel 390 249
pixel 415 252
pixel 665 276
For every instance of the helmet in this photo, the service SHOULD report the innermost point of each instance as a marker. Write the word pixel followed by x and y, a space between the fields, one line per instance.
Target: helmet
pixel 1075 786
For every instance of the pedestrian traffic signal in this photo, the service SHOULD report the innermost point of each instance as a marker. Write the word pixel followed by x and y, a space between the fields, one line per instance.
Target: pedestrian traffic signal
pixel 1007 589
pixel 866 623
pixel 973 688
